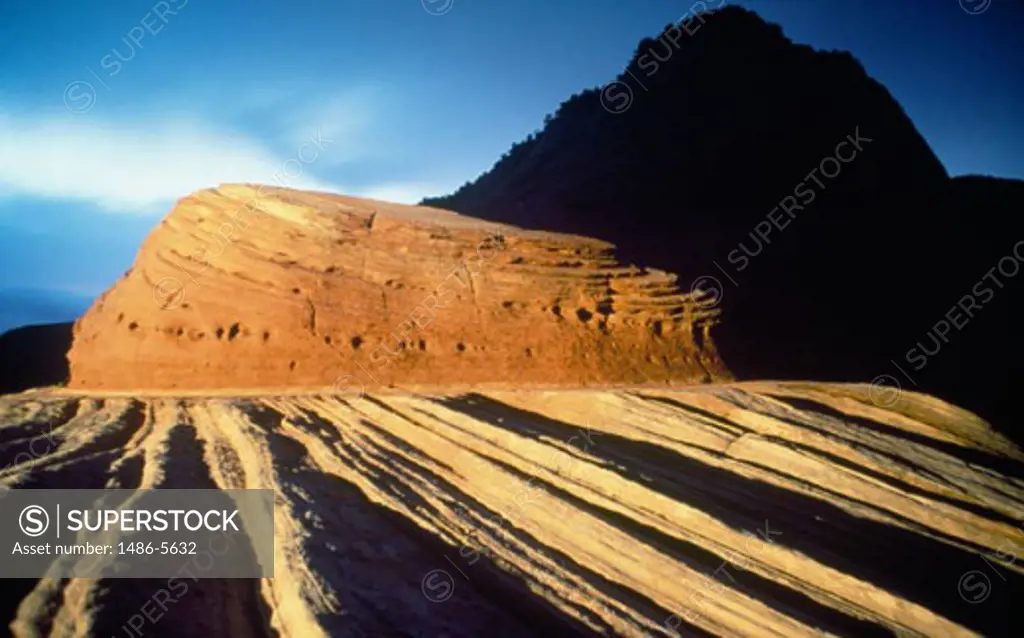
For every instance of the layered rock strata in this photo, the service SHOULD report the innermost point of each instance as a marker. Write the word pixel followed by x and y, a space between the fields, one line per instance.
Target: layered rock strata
pixel 242 286
pixel 756 509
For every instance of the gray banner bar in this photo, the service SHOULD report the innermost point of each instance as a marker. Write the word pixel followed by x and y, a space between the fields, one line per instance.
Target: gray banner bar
pixel 137 534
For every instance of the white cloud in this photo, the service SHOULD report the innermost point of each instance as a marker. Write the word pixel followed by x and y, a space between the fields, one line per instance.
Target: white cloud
pixel 400 192
pixel 356 115
pixel 137 166
pixel 346 116
pixel 140 165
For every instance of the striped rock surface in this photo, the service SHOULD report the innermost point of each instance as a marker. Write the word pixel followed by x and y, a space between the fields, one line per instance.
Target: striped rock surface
pixel 244 286
pixel 751 509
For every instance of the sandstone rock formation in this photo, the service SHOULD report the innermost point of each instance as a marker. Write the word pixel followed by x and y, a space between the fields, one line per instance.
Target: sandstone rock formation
pixel 244 287
pixel 763 509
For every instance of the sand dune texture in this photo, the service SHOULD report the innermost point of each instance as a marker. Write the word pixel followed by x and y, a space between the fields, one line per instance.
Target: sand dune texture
pixel 750 509
pixel 242 287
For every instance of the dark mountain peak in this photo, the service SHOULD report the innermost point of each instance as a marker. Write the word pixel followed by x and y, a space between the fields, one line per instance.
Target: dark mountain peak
pixel 736 44
pixel 722 99
pixel 788 177
pixel 719 28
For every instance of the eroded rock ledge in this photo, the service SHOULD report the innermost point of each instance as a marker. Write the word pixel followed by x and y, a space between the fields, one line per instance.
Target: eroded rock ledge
pixel 242 286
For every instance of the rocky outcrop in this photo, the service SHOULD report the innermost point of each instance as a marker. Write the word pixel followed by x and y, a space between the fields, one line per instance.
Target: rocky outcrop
pixel 34 356
pixel 242 286
pixel 764 509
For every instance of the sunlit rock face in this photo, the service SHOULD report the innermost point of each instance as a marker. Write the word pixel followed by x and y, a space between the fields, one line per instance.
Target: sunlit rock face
pixel 245 286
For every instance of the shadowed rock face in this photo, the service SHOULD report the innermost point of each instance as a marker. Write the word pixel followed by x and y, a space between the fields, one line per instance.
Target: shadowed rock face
pixel 34 356
pixel 246 288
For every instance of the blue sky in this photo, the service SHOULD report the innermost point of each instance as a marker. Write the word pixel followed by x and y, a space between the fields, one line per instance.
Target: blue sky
pixel 408 97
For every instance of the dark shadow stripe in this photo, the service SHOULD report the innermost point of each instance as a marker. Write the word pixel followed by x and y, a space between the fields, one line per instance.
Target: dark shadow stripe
pixel 394 440
pixel 974 508
pixel 788 601
pixel 492 595
pixel 234 599
pixel 693 410
pixel 977 509
pixel 641 604
pixel 39 425
pixel 912 566
pixel 972 456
